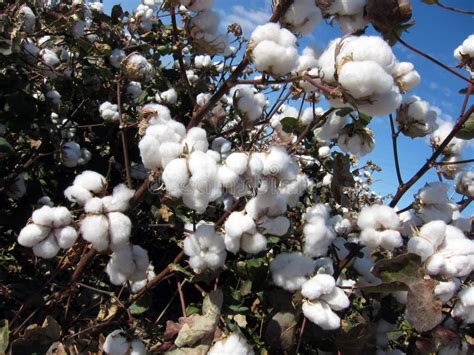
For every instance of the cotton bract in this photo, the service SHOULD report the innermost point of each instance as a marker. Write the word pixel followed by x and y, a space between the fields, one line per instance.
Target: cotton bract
pixel 379 226
pixel 205 248
pixel 49 231
pixel 323 297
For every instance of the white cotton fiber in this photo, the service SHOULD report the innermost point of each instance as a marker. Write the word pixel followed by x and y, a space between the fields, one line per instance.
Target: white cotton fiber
pixel 196 139
pixel 235 344
pixel 120 228
pixel 115 343
pixel 237 162
pixel 176 176
pixel 321 314
pixel 43 216
pixel 302 16
pixel 95 230
pixel 65 237
pixel 318 285
pixel 464 307
pixel 32 234
pixel 253 243
pixel 47 248
pixel 290 270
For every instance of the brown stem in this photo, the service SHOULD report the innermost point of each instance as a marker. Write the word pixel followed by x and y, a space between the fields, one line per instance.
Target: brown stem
pixel 181 296
pixel 454 162
pixel 329 90
pixel 123 136
pixel 278 11
pixel 454 9
pixel 434 60
pixel 463 205
pixel 182 69
pixel 395 151
pixel 429 163
pixel 303 326
pixel 344 262
pixel 84 262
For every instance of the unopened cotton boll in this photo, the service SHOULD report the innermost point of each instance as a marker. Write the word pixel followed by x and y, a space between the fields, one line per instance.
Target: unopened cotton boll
pixel 28 17
pixel 290 270
pixel 116 57
pixel 302 17
pixel 205 248
pixel 109 112
pixel 380 226
pixel 464 307
pixel 234 344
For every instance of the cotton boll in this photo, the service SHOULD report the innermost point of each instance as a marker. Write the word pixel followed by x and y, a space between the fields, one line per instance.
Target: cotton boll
pixel 49 57
pixel 169 96
pixel 378 216
pixel 62 217
pixel 222 146
pixel 318 236
pixel 159 114
pixel 227 177
pixel 317 286
pixel 421 247
pixel 116 344
pixel 446 290
pixel 346 7
pixel 44 216
pixel 253 243
pixel 32 234
pixel 116 57
pixel 321 314
pixel 202 61
pixel 120 228
pixel 302 17
pixel 77 194
pixel 464 307
pixel 234 344
pixel 237 162
pixel 176 176
pixel 275 226
pixel 465 183
pixel 290 270
pixel 363 79
pixel 255 165
pixel 415 117
pixel 331 128
pixel 46 249
pixel 454 147
pixel 109 112
pixel 293 190
pixel 137 68
pixel 91 181
pixel 274 59
pixel 65 237
pixel 406 76
pixel 390 239
pixel 28 17
pixel 324 151
pixel 95 230
pixel 465 49
pixel 276 161
pixel 337 299
pixel 196 139
pixel 137 347
pixel 239 223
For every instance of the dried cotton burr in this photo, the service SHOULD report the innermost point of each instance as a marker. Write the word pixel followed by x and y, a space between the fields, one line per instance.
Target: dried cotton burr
pixel 50 231
pixel 322 298
pixel 137 68
pixel 105 226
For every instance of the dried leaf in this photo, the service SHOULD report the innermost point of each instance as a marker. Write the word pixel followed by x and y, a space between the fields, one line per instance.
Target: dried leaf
pixel 280 332
pixel 4 336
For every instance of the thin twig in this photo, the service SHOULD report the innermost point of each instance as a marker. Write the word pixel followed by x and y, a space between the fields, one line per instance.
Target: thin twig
pixel 395 151
pixel 454 9
pixel 454 162
pixel 126 160
pixel 303 326
pixel 181 296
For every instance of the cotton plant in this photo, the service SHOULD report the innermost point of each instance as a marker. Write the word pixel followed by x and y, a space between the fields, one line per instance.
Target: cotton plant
pixel 444 249
pixel 233 344
pixel 322 298
pixel 105 225
pixel 365 68
pixel 273 49
pixel 117 343
pixel 51 229
pixel 415 118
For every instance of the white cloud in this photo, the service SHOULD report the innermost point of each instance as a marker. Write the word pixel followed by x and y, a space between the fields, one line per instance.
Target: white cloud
pixel 247 18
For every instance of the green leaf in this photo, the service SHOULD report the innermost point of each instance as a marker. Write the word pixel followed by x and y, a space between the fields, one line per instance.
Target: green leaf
pixel 192 309
pixel 141 305
pixel 364 119
pixel 288 124
pixel 5 148
pixel 467 130
pixel 4 332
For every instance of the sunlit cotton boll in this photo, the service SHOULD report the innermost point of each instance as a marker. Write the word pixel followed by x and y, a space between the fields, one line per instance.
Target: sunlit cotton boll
pixel 234 344
pixel 406 77
pixel 290 270
pixel 85 186
pixel 205 248
pixel 169 96
pixel 116 57
pixel 415 117
pixel 109 112
pixel 445 290
pixel 273 49
pixel 249 103
pixel 129 263
pixel 432 203
pixel 318 233
pixel 464 307
pixel 197 5
pixel 137 68
pixel 454 147
pixel 465 183
pixel 117 344
pixel 357 141
pixel 465 49
pixel 380 226
pixel 302 17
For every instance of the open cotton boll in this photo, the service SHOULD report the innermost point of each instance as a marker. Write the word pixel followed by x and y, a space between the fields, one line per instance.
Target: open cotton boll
pixel 318 285
pixel 454 147
pixel 278 226
pixel 95 230
pixel 290 270
pixel 357 141
pixel 109 112
pixel 276 161
pixel 137 68
pixel 430 237
pixel 115 343
pixel 464 307
pixel 465 183
pixel 205 248
pixel 49 57
pixel 196 139
pixel 318 236
pixel 321 314
pixel 227 177
pixel 379 226
pixel 346 7
pixel 169 96
pixel 116 57
pixel 239 223
pixel 91 181
pixel 302 17
pixel 352 23
pixel 47 248
pixel 331 128
pixel 197 5
pixel 119 202
pixel 249 102
pixel 120 228
pixel 32 234
pixel 294 189
pixel 44 216
pixel 176 176
pixel 406 77
pixel 307 116
pixel 202 61
pixel 415 118
pixel 235 344
pixel 465 49
pixel 237 162
pixel 445 290
pixel 432 203
pixel 253 243
pixel 158 114
pixel 65 237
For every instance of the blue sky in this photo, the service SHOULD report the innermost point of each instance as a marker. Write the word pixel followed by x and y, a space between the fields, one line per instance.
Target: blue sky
pixel 437 32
